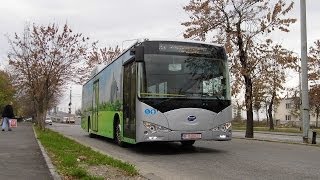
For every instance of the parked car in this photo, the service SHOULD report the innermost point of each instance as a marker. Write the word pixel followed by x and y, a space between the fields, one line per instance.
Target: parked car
pixel 27 119
pixel 48 121
pixel 65 119
pixel 71 120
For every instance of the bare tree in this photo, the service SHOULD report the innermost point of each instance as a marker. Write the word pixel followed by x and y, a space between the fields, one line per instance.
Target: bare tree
pixel 314 96
pixel 100 56
pixel 314 75
pixel 240 25
pixel 314 62
pixel 43 60
pixel 238 110
pixel 78 112
pixel 278 60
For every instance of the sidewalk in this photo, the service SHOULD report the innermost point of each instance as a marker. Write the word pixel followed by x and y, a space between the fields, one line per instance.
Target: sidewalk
pixel 272 136
pixel 20 155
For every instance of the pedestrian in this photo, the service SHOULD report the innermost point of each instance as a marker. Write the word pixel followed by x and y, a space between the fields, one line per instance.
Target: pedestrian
pixel 7 114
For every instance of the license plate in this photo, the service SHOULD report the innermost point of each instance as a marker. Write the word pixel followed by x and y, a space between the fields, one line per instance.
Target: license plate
pixel 191 136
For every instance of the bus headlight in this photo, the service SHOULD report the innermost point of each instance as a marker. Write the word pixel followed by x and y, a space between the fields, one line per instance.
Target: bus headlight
pixel 223 127
pixel 155 127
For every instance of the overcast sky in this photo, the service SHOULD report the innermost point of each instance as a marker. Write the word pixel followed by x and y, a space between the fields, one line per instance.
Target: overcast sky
pixel 117 21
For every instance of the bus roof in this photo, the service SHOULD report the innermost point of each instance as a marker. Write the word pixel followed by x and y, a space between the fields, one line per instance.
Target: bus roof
pixel 185 40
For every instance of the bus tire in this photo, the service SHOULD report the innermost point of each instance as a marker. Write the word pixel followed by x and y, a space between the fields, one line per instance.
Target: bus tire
pixel 91 135
pixel 188 143
pixel 117 135
pixel 88 125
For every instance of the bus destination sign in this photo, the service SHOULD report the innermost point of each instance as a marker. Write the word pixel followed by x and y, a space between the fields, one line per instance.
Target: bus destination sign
pixel 178 48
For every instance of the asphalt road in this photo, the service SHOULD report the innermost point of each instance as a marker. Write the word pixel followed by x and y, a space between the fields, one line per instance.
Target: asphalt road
pixel 236 159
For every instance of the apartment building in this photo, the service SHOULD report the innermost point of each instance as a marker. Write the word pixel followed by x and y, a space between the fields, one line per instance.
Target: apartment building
pixel 287 114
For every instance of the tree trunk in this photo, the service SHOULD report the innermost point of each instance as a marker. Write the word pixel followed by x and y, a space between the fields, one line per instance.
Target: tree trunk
pixel 40 120
pixel 258 117
pixel 270 111
pixel 267 115
pixel 249 109
pixel 41 115
pixel 317 117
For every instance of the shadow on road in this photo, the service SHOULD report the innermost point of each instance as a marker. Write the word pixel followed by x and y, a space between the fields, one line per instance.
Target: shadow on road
pixel 162 148
pixel 170 148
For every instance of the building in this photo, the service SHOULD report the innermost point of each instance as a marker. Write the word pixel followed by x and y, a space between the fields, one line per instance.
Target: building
pixel 287 113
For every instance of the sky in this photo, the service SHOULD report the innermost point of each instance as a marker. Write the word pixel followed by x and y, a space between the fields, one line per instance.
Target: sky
pixel 118 22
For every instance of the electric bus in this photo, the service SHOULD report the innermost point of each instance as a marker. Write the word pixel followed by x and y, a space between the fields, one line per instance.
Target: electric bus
pixel 161 90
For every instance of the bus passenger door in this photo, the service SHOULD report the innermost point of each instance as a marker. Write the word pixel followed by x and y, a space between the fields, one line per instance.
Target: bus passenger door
pixel 129 100
pixel 95 106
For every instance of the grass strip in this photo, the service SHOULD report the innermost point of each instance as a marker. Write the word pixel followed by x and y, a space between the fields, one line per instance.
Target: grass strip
pixel 69 157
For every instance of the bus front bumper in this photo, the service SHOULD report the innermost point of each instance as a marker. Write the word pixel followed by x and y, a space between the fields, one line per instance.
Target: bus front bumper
pixel 187 135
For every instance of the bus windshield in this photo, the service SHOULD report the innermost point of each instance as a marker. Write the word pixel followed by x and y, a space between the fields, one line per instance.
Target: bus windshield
pixel 183 76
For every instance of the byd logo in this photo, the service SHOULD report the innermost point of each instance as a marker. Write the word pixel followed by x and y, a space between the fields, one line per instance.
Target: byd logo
pixel 150 111
pixel 191 118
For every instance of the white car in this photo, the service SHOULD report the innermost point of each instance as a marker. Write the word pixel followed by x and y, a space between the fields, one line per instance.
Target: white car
pixel 28 119
pixel 48 121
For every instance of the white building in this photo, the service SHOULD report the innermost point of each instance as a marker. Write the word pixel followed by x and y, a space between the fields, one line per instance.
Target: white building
pixel 287 114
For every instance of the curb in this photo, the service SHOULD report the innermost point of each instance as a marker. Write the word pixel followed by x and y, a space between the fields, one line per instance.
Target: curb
pixel 51 167
pixel 276 141
pixel 275 133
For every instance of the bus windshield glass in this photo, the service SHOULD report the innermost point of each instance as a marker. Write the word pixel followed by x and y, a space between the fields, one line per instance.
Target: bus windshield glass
pixel 183 76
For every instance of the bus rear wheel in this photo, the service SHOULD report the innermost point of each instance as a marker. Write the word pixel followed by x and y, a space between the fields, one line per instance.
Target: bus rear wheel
pixel 91 135
pixel 117 137
pixel 188 143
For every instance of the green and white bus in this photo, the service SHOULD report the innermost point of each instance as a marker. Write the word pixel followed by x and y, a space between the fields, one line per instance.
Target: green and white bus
pixel 161 90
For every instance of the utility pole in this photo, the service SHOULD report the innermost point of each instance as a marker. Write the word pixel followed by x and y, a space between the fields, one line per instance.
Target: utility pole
pixel 304 73
pixel 70 102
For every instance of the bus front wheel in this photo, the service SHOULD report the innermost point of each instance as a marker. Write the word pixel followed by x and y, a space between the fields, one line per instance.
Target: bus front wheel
pixel 188 143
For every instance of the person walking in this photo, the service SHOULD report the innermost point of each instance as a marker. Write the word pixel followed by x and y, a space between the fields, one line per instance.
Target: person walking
pixel 7 114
